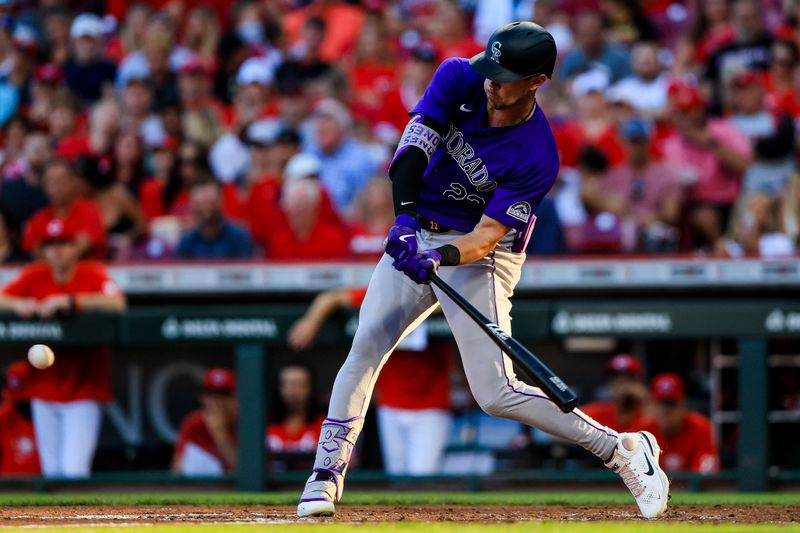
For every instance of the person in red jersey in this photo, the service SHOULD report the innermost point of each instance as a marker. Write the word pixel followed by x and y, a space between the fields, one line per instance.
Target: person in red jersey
pixel 62 187
pixel 296 420
pixel 413 392
pixel 207 439
pixel 686 437
pixel 373 217
pixel 18 454
pixel 66 398
pixel 306 227
pixel 627 393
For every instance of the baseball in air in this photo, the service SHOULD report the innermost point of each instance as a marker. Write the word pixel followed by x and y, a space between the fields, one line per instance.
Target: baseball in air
pixel 41 356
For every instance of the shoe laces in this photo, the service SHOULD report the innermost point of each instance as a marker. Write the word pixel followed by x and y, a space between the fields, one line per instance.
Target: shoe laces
pixel 631 480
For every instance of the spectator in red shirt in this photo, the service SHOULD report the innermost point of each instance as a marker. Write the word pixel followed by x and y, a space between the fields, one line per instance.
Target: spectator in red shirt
pixel 686 437
pixel 207 439
pixel 374 70
pixel 62 187
pixel 627 392
pixel 416 74
pixel 307 227
pixel 711 155
pixel 18 453
pixel 296 418
pixel 594 123
pixel 783 96
pixel 264 178
pixel 413 392
pixel 67 396
pixel 650 191
pixel 373 216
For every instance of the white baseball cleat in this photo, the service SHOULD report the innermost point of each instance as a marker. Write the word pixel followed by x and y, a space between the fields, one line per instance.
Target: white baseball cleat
pixel 318 496
pixel 636 460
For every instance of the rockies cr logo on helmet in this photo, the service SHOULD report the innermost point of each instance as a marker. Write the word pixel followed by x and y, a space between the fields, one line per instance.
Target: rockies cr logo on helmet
pixel 496 51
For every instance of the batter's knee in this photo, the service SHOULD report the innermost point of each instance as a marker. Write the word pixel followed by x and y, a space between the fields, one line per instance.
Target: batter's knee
pixel 494 404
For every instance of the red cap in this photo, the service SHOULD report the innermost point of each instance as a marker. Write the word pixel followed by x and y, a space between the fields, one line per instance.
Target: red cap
pixel 625 363
pixel 219 380
pixel 667 387
pixel 196 65
pixel 687 97
pixel 58 230
pixel 49 73
pixel 18 381
pixel 747 78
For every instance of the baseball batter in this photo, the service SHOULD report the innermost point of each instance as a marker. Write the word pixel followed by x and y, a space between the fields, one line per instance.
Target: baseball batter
pixel 475 160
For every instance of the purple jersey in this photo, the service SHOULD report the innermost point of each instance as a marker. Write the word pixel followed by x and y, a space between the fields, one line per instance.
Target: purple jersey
pixel 476 170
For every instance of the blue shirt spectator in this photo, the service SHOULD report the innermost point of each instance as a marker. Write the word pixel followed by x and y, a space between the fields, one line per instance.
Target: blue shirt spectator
pixel 86 71
pixel 213 237
pixel 9 101
pixel 594 51
pixel 346 164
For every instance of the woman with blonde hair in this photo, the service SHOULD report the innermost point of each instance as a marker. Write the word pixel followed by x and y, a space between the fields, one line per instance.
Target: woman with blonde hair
pixel 202 32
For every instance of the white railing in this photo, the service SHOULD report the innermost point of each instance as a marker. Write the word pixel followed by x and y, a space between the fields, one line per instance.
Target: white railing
pixel 538 274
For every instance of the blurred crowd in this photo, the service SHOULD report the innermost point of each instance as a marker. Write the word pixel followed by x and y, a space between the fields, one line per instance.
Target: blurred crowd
pixel 219 129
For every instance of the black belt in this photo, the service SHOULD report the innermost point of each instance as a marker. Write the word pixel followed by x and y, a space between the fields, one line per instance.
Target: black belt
pixel 432 226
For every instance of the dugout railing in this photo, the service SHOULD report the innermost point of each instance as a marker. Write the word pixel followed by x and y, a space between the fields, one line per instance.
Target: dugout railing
pixel 749 301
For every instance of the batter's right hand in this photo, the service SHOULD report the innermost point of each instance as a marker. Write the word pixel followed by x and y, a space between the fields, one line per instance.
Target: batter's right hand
pixel 401 244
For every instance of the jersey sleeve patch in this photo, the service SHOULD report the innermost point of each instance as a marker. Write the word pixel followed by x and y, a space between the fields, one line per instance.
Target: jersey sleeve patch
pixel 418 134
pixel 520 210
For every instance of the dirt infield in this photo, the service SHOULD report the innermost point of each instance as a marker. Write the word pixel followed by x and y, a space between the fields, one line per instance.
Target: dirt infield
pixel 152 514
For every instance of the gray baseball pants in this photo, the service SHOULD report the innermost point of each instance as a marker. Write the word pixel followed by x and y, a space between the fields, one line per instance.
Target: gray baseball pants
pixel 395 305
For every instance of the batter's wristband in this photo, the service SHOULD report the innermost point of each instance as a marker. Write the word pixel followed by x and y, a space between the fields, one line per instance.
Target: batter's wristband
pixel 450 255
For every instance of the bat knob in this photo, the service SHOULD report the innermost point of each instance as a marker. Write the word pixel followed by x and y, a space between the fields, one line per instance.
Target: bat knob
pixel 569 406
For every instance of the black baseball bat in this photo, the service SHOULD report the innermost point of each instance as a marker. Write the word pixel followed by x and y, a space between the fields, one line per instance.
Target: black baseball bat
pixel 530 365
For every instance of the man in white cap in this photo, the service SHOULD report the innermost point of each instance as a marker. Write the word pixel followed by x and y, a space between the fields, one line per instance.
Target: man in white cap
pixel 86 71
pixel 253 82
pixel 229 154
